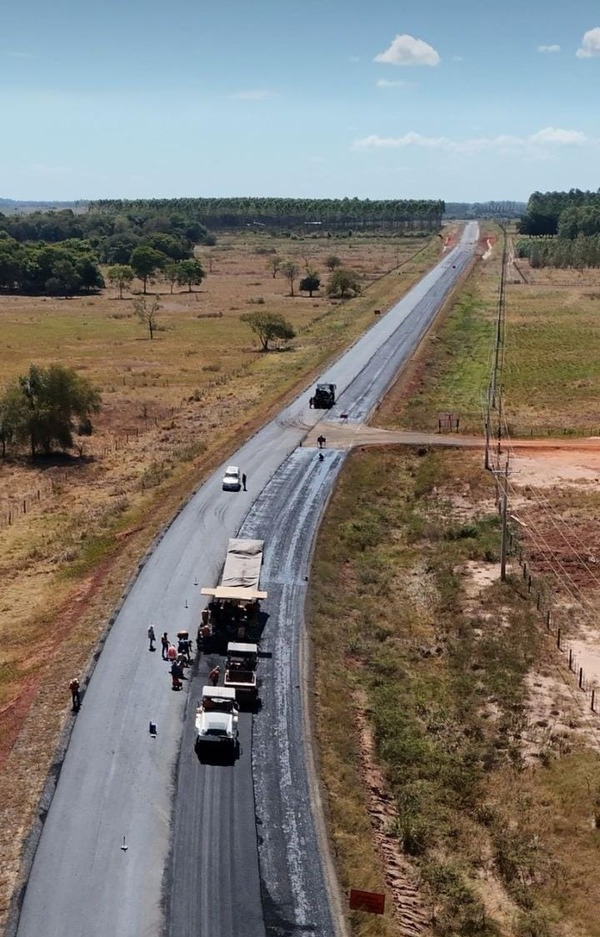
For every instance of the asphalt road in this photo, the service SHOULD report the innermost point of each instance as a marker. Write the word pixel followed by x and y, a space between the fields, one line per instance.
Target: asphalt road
pixel 198 859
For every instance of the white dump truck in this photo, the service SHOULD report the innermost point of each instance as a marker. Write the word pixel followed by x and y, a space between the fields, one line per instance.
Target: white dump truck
pixel 217 720
pixel 240 671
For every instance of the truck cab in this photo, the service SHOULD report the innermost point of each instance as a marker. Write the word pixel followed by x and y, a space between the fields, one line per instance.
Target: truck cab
pixel 217 720
pixel 324 396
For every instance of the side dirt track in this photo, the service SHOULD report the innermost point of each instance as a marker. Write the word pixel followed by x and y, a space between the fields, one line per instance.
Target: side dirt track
pixel 460 756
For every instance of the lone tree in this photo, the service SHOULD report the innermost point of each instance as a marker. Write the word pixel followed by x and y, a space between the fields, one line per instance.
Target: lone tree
pixel 332 262
pixel 170 273
pixel 46 406
pixel 190 273
pixel 147 312
pixel 310 282
pixel 290 270
pixel 344 283
pixel 274 265
pixel 145 261
pixel 268 326
pixel 121 276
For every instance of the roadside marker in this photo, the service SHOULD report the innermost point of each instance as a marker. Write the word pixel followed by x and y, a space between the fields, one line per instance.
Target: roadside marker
pixel 186 605
pixel 124 846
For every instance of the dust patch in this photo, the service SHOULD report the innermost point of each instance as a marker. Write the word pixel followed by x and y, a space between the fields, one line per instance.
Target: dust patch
pixel 555 721
pixel 478 577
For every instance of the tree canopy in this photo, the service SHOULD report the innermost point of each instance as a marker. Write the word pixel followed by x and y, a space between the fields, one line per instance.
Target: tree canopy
pixel 268 326
pixel 145 261
pixel 54 269
pixel 45 407
pixel 290 270
pixel 567 214
pixel 344 283
pixel 190 273
pixel 310 282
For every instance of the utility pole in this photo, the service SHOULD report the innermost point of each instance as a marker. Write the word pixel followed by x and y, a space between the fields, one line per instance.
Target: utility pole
pixel 504 534
pixel 494 387
pixel 500 320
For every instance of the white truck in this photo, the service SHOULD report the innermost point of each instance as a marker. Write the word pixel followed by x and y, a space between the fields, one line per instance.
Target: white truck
pixel 217 721
pixel 240 671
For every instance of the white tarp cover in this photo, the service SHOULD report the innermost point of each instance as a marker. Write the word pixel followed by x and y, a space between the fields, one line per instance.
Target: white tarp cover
pixel 242 564
pixel 241 572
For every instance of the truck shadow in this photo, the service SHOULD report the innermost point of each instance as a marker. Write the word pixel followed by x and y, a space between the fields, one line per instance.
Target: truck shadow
pixel 216 755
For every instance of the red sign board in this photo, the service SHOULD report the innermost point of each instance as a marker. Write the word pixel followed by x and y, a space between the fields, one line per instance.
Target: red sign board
pixel 370 901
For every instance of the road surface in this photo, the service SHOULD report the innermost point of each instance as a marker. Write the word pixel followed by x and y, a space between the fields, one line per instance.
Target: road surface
pixel 118 848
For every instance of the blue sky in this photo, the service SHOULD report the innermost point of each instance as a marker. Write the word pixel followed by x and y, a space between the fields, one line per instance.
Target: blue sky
pixel 466 100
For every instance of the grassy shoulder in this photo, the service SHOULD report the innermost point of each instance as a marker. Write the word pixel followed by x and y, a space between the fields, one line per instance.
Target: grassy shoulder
pixel 551 356
pixel 407 615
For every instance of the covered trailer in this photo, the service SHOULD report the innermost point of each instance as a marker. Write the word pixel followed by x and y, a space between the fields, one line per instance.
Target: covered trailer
pixel 234 604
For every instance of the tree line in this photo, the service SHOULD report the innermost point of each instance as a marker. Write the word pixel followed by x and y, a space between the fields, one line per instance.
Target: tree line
pixel 217 214
pixel 495 210
pixel 563 230
pixel 546 251
pixel 72 267
pixel 564 214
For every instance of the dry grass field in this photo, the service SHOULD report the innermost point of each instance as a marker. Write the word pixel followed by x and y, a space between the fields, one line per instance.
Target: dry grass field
pixel 174 407
pixel 469 787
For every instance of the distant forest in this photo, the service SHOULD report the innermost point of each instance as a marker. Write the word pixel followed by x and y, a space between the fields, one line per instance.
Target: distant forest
pixel 59 252
pixel 562 228
pixel 496 210
pixel 280 214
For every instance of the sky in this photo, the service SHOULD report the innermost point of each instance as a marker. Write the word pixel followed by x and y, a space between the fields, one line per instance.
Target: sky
pixel 466 100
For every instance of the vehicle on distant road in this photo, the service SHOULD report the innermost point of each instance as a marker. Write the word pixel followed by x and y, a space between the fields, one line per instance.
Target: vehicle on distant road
pixel 231 479
pixel 324 396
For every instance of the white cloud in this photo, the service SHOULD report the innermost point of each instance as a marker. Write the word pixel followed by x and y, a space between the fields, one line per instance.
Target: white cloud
pixel 406 50
pixel 549 136
pixel 553 48
pixel 253 95
pixel 386 83
pixel 20 55
pixel 590 44
pixel 560 137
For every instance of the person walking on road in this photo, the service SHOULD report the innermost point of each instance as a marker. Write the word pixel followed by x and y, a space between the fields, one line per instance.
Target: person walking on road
pixel 151 638
pixel 244 482
pixel 164 641
pixel 214 675
pixel 321 440
pixel 75 695
pixel 171 653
